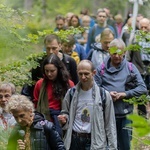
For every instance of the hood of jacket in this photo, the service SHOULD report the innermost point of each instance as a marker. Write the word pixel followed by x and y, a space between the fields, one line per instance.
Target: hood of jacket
pixel 111 69
pixel 38 117
pixel 98 47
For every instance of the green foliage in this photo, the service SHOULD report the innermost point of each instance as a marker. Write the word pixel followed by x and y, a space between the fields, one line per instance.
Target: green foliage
pixel 19 71
pixel 115 50
pixel 4 137
pixel 142 100
pixel 140 124
pixel 35 38
pixel 141 131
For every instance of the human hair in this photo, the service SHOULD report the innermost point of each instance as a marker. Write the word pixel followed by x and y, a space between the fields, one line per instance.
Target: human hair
pixel 89 62
pixel 49 38
pixel 60 17
pixel 106 32
pixel 86 18
pixel 18 102
pixel 117 43
pixel 70 40
pixel 101 10
pixel 118 16
pixel 84 11
pixel 61 83
pixel 5 86
pixel 74 16
pixel 144 20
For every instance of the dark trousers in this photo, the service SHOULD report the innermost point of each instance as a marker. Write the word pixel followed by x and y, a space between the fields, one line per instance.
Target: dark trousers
pixel 124 134
pixel 142 108
pixel 80 143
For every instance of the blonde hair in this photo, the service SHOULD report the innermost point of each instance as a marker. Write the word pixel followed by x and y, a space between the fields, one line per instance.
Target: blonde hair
pixel 118 16
pixel 105 33
pixel 86 18
pixel 18 102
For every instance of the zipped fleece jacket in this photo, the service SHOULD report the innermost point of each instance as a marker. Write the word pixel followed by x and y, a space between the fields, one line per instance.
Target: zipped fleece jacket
pixel 114 79
pixel 103 125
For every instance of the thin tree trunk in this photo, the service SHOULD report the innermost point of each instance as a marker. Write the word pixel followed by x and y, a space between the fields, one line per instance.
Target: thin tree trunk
pixel 28 4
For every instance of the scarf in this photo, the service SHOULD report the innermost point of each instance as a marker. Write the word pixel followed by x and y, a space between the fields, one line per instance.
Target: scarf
pixel 43 106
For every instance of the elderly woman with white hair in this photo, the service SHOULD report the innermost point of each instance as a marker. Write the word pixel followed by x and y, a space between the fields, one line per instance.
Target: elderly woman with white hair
pixel 123 80
pixel 32 131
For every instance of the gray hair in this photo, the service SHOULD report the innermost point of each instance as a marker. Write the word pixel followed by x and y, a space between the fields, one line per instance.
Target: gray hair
pixel 19 102
pixel 117 43
pixel 10 85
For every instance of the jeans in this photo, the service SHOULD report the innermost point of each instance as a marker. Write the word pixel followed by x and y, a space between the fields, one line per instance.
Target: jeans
pixel 124 134
pixel 80 143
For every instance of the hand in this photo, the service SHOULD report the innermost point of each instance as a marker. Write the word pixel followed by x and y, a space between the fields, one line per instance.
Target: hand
pixel 62 119
pixel 21 145
pixel 120 95
pixel 113 95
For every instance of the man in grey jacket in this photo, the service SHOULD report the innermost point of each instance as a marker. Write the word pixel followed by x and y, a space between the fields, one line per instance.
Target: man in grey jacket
pixel 123 80
pixel 89 125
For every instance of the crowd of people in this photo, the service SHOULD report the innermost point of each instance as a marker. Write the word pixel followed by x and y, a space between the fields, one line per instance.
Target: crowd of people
pixel 77 102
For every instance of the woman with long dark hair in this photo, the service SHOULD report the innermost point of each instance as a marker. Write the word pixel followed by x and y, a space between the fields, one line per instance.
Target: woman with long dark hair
pixel 50 90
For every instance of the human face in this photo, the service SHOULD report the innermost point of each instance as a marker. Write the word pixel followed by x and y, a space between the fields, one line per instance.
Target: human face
pixel 101 17
pixel 5 95
pixel 117 57
pixel 105 41
pixel 67 49
pixel 74 22
pixel 23 117
pixel 51 71
pixel 85 74
pixel 86 23
pixel 60 24
pixel 52 47
pixel 144 26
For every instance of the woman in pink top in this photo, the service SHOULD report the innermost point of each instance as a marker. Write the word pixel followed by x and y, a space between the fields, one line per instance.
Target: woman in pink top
pixel 50 90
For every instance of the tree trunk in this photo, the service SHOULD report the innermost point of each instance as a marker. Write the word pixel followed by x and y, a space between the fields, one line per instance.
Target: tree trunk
pixel 28 4
pixel 44 8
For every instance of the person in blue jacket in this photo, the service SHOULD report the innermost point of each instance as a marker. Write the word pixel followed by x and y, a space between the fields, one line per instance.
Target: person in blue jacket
pixel 123 80
pixel 96 30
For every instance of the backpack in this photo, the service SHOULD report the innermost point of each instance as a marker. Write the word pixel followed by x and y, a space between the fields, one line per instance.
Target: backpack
pixel 102 94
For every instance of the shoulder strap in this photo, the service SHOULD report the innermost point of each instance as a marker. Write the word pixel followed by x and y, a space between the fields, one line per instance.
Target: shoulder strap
pixel 103 97
pixel 130 66
pixel 102 94
pixel 71 92
pixel 102 68
pixel 94 29
pixel 89 57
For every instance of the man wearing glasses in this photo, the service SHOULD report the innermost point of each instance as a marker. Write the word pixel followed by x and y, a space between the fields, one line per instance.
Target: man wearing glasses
pixel 123 80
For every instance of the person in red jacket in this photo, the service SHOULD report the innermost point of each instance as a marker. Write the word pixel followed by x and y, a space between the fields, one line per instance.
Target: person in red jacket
pixel 50 90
